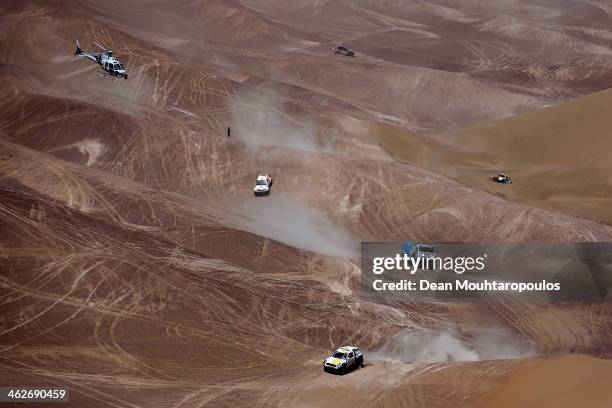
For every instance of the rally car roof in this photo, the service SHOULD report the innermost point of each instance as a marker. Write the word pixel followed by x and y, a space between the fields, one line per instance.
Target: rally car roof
pixel 346 349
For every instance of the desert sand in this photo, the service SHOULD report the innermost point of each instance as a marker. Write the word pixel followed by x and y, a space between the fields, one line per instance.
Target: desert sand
pixel 137 268
pixel 566 381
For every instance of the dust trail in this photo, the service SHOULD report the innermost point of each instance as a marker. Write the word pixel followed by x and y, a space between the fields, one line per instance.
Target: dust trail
pixel 93 149
pixel 283 219
pixel 412 346
pixel 259 119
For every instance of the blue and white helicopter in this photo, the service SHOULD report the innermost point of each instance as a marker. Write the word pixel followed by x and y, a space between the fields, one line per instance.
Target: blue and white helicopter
pixel 110 65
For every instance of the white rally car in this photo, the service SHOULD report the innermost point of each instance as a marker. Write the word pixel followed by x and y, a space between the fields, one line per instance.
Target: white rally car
pixel 343 360
pixel 262 184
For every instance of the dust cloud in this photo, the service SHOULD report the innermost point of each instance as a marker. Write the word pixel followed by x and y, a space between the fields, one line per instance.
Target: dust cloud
pixel 260 120
pixel 412 346
pixel 281 218
pixel 93 149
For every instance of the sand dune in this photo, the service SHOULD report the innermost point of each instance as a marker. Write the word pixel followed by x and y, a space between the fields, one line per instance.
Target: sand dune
pixel 558 156
pixel 137 268
pixel 565 381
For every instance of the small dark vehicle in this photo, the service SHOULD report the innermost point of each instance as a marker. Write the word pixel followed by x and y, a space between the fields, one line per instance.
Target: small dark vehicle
pixel 347 52
pixel 502 179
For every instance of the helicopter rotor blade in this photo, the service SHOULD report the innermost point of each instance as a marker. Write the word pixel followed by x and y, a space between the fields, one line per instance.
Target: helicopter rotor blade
pixel 99 46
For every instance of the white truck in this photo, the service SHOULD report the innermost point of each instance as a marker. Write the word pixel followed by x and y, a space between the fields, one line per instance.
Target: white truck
pixel 262 184
pixel 343 360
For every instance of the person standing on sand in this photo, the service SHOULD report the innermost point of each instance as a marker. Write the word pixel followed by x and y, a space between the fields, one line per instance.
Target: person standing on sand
pixel 229 131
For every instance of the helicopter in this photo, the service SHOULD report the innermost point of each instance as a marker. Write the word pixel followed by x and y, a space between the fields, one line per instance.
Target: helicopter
pixel 105 59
